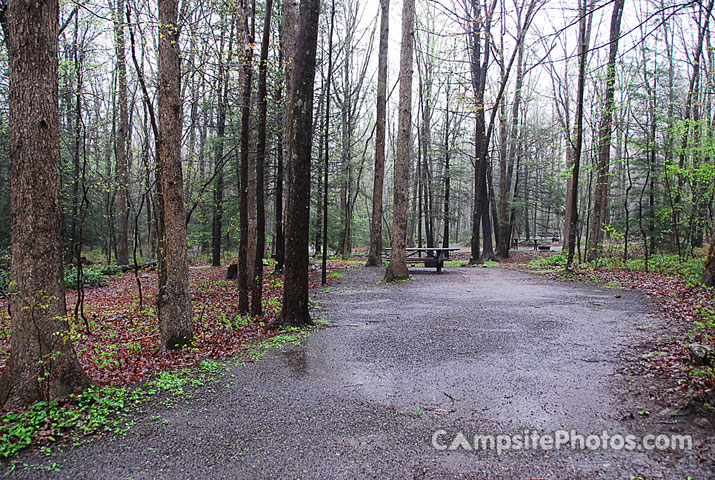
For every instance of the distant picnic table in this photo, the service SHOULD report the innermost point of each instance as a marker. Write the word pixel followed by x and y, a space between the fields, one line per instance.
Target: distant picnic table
pixel 432 257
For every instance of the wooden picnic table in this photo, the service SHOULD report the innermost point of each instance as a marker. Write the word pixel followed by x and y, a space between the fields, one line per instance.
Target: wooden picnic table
pixel 430 256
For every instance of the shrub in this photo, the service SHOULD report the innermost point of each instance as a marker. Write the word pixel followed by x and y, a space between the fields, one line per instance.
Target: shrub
pixel 556 260
pixel 94 275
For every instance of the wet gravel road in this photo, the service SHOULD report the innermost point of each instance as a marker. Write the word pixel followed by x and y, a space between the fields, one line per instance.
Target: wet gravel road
pixel 478 351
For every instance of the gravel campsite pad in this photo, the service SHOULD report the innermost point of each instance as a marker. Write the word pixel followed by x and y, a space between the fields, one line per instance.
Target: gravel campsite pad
pixel 403 379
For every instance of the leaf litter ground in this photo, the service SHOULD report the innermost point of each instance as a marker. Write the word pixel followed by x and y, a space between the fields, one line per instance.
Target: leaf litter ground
pixel 123 343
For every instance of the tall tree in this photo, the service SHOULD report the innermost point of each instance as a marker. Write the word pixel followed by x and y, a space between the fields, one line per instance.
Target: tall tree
pixel 279 241
pixel 222 108
pixel 585 12
pixel 257 285
pixel 42 363
pixel 447 178
pixel 511 147
pixel 374 256
pixel 349 99
pixel 173 299
pixel 481 19
pixel 295 292
pixel 78 178
pixel 289 25
pixel 326 145
pixel 598 215
pixel 426 100
pixel 397 268
pixel 251 165
pixel 76 84
pixel 121 142
pixel 246 75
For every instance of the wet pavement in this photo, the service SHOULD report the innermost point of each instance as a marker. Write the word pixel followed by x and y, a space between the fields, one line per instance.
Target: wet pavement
pixel 472 350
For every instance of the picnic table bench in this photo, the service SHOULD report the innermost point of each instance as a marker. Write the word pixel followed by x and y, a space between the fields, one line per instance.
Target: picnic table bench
pixel 540 242
pixel 431 257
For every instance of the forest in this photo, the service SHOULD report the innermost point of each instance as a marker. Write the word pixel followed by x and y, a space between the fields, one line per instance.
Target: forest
pixel 170 134
pixel 613 96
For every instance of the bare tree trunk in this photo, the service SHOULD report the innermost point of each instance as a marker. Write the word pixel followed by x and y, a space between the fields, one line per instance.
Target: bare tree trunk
pixel 42 363
pixel 502 250
pixel 492 209
pixel 76 120
pixel 397 269
pixel 76 141
pixel 572 206
pixel 295 292
pixel 447 178
pixel 193 122
pixel 223 85
pixel 346 130
pixel 157 220
pixel 251 247
pixel 425 142
pixel 604 141
pixel 257 290
pixel 374 256
pixel 414 217
pixel 482 149
pixel 217 217
pixel 246 72
pixel 514 146
pixel 173 300
pixel 418 182
pixel 326 159
pixel 483 189
pixel 150 218
pixel 317 226
pixel 569 194
pixel 121 143
pixel 478 70
pixel 289 27
pixel 279 241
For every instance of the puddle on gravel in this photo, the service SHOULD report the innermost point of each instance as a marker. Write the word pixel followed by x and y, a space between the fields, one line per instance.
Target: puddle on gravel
pixel 296 361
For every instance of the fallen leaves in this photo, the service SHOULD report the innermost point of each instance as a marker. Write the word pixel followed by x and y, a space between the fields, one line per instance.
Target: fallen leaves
pixel 123 344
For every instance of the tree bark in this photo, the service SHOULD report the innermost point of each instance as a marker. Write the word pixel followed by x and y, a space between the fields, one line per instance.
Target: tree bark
pixel 173 300
pixel 572 206
pixel 347 106
pixel 42 363
pixel 289 25
pixel 569 193
pixel 514 147
pixel 222 107
pixel 425 79
pixel 447 177
pixel 257 290
pixel 279 241
pixel 326 156
pixel 246 73
pixel 295 292
pixel 604 141
pixel 374 256
pixel 478 70
pixel 397 268
pixel 121 143
pixel 251 191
